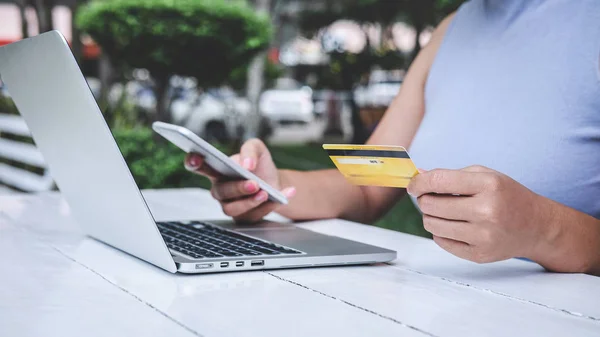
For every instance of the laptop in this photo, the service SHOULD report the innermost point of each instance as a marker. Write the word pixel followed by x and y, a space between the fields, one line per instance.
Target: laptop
pixel 53 97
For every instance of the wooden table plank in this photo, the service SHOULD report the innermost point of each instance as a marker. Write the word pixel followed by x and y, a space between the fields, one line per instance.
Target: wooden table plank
pixel 425 292
pixel 44 293
pixel 439 307
pixel 234 304
pixel 573 294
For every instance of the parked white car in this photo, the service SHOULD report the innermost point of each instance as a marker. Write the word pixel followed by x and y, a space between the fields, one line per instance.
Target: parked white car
pixel 217 115
pixel 377 94
pixel 287 103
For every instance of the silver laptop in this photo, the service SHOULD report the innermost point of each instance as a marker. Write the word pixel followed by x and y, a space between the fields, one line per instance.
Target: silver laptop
pixel 49 90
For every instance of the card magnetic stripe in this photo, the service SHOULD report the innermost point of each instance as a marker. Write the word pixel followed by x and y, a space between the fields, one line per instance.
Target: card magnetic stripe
pixel 368 153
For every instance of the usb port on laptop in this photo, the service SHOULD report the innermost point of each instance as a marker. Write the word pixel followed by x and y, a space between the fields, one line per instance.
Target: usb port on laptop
pixel 257 263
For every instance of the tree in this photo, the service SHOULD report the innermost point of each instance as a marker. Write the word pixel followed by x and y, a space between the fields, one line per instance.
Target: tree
pixel 205 39
pixel 255 78
pixel 76 43
pixel 44 13
pixel 345 69
pixel 22 4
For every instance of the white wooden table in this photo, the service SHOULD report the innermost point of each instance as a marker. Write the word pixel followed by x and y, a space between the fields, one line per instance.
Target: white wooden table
pixel 56 282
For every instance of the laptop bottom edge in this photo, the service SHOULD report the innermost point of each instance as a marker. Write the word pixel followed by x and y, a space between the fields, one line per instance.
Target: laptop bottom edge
pixel 248 264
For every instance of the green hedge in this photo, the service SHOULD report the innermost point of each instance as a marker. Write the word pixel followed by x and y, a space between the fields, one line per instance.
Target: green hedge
pixel 7 106
pixel 154 162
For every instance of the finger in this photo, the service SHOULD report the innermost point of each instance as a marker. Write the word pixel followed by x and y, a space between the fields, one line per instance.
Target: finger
pixel 195 163
pixel 289 192
pixel 454 247
pixel 229 190
pixel 236 158
pixel 446 182
pixel 448 207
pixel 250 152
pixel 239 207
pixel 448 229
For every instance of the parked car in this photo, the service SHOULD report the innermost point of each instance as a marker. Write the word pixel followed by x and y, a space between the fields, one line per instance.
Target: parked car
pixel 287 103
pixel 382 88
pixel 216 115
pixel 378 94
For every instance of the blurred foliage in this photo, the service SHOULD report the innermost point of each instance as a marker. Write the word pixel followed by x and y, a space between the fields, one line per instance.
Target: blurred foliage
pixel 153 162
pixel 205 39
pixel 345 70
pixel 384 12
pixel 239 76
pixel 419 13
pixel 7 106
pixel 199 38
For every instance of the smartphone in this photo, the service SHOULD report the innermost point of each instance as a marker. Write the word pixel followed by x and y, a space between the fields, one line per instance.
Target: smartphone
pixel 217 160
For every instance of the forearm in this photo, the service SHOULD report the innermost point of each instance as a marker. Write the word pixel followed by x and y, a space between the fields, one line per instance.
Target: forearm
pixel 323 194
pixel 571 241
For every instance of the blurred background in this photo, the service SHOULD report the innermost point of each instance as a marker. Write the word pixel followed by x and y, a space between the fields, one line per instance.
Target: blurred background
pixel 295 73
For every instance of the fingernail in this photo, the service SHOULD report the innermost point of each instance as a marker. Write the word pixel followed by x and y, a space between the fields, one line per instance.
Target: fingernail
pixel 189 166
pixel 261 197
pixel 194 162
pixel 409 192
pixel 248 163
pixel 421 170
pixel 250 186
pixel 289 192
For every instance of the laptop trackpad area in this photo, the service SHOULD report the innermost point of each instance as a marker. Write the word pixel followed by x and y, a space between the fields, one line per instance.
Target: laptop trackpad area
pixel 308 241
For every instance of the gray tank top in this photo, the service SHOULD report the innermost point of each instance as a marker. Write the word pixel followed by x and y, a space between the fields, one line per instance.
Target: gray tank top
pixel 515 86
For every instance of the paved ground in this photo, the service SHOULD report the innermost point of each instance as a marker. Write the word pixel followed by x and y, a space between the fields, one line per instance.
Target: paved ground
pixel 311 133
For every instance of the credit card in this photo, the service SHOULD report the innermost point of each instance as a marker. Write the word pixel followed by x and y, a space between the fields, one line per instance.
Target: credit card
pixel 373 165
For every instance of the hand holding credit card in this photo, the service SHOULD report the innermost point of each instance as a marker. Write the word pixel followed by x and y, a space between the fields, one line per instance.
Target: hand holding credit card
pixel 373 165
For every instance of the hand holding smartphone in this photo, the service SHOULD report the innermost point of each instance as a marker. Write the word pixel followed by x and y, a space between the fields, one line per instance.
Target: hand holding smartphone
pixel 217 160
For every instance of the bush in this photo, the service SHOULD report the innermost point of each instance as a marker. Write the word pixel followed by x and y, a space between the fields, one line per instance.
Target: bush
pixel 154 162
pixel 7 106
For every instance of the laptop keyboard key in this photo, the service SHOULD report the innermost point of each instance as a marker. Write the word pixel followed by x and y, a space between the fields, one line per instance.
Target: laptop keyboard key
pixel 199 240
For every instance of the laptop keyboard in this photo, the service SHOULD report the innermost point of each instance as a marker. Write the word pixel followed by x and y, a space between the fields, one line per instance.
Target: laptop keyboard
pixel 201 240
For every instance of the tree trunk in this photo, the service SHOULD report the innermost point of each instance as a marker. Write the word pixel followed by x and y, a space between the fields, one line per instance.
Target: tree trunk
pixel 420 13
pixel 44 14
pixel 163 100
pixel 105 74
pixel 76 43
pixel 359 133
pixel 22 4
pixel 419 26
pixel 255 83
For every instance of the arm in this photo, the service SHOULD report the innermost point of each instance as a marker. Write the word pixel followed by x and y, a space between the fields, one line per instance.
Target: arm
pixel 571 240
pixel 326 194
pixel 484 216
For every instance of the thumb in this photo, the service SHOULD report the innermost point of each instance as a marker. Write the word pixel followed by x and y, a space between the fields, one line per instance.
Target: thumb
pixel 250 152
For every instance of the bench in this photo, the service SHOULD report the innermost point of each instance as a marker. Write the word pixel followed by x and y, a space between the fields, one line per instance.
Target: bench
pixel 22 167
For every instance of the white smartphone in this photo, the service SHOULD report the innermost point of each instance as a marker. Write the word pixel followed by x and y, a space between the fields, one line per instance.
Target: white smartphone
pixel 217 160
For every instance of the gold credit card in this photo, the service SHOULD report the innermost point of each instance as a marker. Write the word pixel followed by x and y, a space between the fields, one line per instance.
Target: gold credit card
pixel 373 165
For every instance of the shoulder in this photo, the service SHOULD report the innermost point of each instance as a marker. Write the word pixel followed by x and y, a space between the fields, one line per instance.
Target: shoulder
pixel 424 60
pixel 439 33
